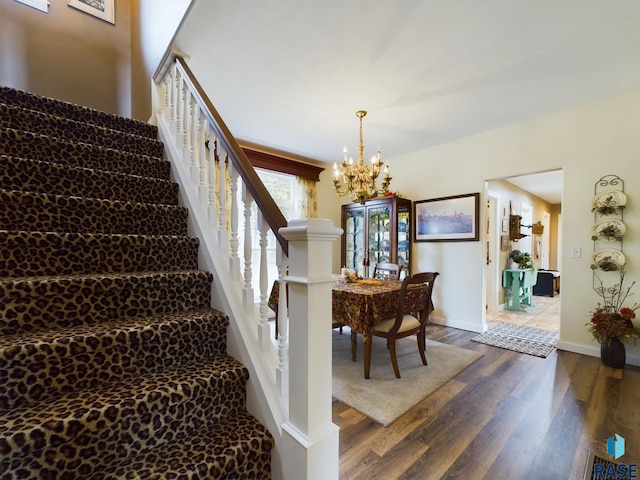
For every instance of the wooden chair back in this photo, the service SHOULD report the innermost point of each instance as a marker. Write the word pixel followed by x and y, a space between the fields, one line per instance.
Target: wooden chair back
pixel 414 307
pixel 387 271
pixel 415 298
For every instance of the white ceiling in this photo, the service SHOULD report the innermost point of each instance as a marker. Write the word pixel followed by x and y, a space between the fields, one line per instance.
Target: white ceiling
pixel 545 185
pixel 290 74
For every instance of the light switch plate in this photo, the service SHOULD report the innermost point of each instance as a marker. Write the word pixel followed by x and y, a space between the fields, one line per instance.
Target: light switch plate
pixel 576 252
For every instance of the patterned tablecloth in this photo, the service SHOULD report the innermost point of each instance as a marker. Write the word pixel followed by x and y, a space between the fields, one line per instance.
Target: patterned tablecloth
pixel 362 306
pixel 358 305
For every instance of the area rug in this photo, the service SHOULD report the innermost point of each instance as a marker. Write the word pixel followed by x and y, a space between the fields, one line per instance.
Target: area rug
pixel 383 397
pixel 529 340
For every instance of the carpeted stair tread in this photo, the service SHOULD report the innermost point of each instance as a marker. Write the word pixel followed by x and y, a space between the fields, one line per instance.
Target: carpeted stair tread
pixel 43 212
pixel 21 144
pixel 61 108
pixel 53 178
pixel 51 253
pixel 113 364
pixel 27 120
pixel 40 303
pixel 236 449
pixel 47 363
pixel 127 415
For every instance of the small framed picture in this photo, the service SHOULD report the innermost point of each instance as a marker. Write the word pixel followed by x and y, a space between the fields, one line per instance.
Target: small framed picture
pixel 448 219
pixel 103 9
pixel 504 242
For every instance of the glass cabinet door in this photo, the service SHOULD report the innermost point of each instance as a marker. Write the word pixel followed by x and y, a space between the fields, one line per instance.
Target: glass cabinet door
pixel 354 240
pixel 404 239
pixel 379 235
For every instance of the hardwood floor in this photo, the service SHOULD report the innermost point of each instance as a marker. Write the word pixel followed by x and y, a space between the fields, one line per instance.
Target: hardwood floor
pixel 508 416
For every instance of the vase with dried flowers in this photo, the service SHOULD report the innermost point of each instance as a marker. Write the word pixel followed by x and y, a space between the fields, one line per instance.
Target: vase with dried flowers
pixel 611 321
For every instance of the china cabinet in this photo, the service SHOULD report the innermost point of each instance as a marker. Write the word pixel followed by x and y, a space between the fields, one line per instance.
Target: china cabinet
pixel 377 231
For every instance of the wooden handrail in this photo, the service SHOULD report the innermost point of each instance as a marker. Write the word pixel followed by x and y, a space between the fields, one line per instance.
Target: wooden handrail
pixel 267 205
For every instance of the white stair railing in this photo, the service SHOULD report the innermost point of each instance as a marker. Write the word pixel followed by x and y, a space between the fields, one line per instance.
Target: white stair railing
pixel 231 213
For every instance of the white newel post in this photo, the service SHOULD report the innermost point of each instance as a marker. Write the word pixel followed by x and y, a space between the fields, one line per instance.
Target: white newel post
pixel 310 438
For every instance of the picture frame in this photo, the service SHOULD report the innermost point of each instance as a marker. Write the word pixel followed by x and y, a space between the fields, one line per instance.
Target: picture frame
pixel 504 242
pixel 448 219
pixel 102 9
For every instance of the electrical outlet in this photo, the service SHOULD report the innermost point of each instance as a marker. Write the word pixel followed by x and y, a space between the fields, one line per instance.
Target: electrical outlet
pixel 576 252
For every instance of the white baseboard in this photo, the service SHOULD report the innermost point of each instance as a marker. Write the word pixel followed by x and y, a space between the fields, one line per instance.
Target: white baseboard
pixel 447 322
pixel 592 351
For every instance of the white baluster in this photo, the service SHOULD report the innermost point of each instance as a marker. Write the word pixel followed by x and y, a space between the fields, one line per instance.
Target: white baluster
pixel 173 99
pixel 201 152
pixel 194 134
pixel 214 172
pixel 166 91
pixel 234 260
pixel 282 321
pixel 223 233
pixel 264 330
pixel 247 293
pixel 187 151
pixel 180 112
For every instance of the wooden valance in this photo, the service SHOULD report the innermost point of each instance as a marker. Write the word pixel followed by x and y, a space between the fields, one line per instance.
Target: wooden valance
pixel 277 163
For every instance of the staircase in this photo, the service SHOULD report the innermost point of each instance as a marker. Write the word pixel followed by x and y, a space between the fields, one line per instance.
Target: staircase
pixel 113 364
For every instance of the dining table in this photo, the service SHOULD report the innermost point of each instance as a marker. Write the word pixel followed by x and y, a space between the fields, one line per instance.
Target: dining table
pixel 360 305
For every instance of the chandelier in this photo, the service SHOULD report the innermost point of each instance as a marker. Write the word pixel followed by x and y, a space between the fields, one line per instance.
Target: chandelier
pixel 359 179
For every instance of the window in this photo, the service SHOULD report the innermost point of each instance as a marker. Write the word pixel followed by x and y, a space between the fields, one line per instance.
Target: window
pixel 284 189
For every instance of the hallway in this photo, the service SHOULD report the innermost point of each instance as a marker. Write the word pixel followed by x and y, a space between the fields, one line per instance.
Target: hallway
pixel 544 314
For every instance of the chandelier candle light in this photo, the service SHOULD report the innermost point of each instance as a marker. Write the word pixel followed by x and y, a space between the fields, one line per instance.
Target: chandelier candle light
pixel 360 179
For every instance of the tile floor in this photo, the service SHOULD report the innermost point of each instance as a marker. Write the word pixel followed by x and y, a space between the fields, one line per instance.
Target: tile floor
pixel 545 314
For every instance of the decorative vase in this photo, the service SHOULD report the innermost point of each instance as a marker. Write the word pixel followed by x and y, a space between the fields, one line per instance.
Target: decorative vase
pixel 613 353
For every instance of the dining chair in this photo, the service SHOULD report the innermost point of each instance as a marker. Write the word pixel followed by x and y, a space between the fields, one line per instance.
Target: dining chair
pixel 387 271
pixel 414 307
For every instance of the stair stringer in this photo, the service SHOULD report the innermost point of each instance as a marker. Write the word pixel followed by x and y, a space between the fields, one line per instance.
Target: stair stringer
pixel 264 398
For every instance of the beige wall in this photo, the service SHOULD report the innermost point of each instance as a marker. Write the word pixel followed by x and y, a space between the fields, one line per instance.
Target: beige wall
pixel 153 23
pixel 67 54
pixel 587 143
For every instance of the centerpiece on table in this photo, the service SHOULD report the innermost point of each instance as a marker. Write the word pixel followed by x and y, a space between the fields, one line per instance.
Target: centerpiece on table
pixel 612 322
pixel 349 276
pixel 522 259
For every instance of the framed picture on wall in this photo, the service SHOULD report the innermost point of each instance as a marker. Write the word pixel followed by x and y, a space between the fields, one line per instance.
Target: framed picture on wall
pixel 448 219
pixel 103 9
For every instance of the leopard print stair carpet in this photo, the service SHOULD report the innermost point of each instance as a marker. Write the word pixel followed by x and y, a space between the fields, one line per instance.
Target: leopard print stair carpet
pixel 112 362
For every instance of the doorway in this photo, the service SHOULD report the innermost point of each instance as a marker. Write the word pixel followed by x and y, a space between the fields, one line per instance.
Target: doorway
pixel 536 197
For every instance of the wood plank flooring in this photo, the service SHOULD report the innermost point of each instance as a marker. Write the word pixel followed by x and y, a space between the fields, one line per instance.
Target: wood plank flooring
pixel 508 416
